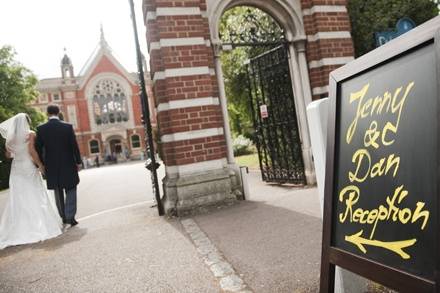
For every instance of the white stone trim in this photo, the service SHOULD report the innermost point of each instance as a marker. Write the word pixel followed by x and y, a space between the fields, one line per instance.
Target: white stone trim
pixel 159 75
pixel 172 11
pixel 211 71
pixel 186 135
pixel 174 42
pixel 187 103
pixel 199 167
pixel 329 35
pixel 154 46
pixel 320 90
pixel 177 72
pixel 324 9
pixel 151 15
pixel 330 61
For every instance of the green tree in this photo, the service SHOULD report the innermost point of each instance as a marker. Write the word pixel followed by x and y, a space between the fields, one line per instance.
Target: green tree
pixel 368 17
pixel 17 90
pixel 244 25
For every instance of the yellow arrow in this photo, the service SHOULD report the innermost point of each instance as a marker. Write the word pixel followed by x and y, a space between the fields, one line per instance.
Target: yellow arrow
pixel 395 246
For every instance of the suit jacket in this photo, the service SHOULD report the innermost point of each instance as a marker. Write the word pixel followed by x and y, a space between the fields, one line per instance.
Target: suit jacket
pixel 58 150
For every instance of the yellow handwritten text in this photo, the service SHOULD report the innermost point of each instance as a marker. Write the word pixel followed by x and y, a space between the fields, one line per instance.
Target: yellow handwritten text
pixel 389 212
pixel 377 106
pixel 362 160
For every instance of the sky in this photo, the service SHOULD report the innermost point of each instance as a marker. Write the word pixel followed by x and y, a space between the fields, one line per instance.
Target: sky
pixel 39 30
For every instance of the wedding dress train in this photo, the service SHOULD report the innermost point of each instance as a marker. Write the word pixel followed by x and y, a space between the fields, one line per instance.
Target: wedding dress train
pixel 28 216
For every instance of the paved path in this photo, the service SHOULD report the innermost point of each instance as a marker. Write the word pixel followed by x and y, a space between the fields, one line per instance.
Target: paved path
pixel 270 243
pixel 125 251
pixel 273 240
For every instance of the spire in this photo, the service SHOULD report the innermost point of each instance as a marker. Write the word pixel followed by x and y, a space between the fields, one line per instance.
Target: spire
pixel 66 60
pixel 103 42
pixel 66 65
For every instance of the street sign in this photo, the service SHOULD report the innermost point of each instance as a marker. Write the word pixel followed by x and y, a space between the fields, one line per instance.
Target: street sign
pixel 382 179
pixel 403 25
pixel 263 111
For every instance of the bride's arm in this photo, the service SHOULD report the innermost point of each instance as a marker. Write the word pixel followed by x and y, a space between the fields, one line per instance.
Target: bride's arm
pixel 33 152
pixel 8 154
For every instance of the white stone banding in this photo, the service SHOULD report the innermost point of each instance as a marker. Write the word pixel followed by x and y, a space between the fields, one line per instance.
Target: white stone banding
pixel 329 35
pixel 187 103
pixel 175 42
pixel 324 9
pixel 183 71
pixel 330 61
pixel 193 134
pixel 320 90
pixel 201 167
pixel 172 11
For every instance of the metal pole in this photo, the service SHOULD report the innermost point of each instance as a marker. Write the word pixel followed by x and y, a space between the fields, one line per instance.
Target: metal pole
pixel 146 114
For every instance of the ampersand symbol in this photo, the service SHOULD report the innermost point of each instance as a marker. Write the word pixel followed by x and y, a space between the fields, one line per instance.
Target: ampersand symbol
pixel 371 135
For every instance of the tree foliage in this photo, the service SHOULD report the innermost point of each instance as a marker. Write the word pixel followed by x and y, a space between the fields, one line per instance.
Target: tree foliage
pixel 368 17
pixel 240 25
pixel 17 90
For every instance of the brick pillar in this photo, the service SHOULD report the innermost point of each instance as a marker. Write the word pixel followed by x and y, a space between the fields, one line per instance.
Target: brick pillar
pixel 188 110
pixel 329 44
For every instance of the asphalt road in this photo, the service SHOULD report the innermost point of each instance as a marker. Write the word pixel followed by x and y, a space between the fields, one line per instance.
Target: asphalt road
pixel 113 186
pixel 109 187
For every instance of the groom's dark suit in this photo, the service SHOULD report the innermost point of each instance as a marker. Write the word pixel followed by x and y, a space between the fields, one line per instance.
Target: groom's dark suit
pixel 56 144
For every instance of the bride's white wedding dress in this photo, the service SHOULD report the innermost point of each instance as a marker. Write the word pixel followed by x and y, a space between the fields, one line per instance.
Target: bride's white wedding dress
pixel 28 216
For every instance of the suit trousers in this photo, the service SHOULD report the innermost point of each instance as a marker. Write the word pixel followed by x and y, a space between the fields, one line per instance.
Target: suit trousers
pixel 66 207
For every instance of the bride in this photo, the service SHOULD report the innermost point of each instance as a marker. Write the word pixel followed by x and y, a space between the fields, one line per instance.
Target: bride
pixel 28 216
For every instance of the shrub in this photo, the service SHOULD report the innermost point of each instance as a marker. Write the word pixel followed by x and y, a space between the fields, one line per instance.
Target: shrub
pixel 242 146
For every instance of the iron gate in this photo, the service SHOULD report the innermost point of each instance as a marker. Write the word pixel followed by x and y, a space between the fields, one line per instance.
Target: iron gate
pixel 273 112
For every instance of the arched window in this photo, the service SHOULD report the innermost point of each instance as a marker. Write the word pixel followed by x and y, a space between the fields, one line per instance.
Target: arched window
pixel 135 141
pixel 109 102
pixel 94 146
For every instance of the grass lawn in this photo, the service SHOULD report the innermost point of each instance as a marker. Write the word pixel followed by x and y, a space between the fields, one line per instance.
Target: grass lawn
pixel 248 160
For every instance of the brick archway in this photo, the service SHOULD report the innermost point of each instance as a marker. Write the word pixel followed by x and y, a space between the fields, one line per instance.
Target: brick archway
pixel 182 38
pixel 288 16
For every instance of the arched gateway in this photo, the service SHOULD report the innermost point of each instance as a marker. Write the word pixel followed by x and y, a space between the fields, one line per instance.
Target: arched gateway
pixel 184 46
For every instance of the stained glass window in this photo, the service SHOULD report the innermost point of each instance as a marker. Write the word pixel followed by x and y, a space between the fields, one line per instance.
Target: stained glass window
pixel 109 102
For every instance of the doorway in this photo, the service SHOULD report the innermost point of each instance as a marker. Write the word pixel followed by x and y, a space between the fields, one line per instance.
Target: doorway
pixel 115 146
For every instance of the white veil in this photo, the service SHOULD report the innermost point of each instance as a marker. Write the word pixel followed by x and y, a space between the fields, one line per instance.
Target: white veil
pixel 16 131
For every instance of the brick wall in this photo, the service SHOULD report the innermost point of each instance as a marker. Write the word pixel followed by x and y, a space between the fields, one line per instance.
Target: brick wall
pixel 182 67
pixel 327 26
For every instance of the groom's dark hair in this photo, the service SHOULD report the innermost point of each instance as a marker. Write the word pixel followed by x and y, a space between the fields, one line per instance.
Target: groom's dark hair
pixel 53 110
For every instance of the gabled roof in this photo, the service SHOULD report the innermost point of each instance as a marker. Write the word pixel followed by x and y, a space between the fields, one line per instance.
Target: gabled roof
pixel 103 49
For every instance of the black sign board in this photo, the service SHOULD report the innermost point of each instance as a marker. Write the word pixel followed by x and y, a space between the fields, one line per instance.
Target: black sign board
pixel 382 173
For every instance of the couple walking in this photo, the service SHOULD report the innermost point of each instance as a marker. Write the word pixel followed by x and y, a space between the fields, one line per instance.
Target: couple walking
pixel 28 216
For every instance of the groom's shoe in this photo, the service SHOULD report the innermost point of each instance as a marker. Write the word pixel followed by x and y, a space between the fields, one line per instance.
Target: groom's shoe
pixel 72 222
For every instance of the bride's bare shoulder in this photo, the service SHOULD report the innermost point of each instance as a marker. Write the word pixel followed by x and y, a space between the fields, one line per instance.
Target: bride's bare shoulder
pixel 32 135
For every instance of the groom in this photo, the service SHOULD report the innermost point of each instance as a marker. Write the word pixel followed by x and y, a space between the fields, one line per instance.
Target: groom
pixel 57 147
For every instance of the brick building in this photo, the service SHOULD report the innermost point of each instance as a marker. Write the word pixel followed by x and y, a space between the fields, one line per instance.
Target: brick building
pixel 184 44
pixel 102 103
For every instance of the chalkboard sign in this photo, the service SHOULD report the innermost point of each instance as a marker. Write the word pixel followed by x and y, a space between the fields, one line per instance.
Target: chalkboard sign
pixel 382 180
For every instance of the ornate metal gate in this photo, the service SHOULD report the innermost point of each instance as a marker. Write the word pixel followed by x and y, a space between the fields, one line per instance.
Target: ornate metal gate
pixel 273 110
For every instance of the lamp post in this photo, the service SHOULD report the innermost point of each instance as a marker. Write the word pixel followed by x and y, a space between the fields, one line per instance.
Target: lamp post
pixel 153 165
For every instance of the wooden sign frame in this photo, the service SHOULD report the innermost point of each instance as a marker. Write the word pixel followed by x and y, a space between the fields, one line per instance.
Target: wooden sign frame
pixel 391 277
